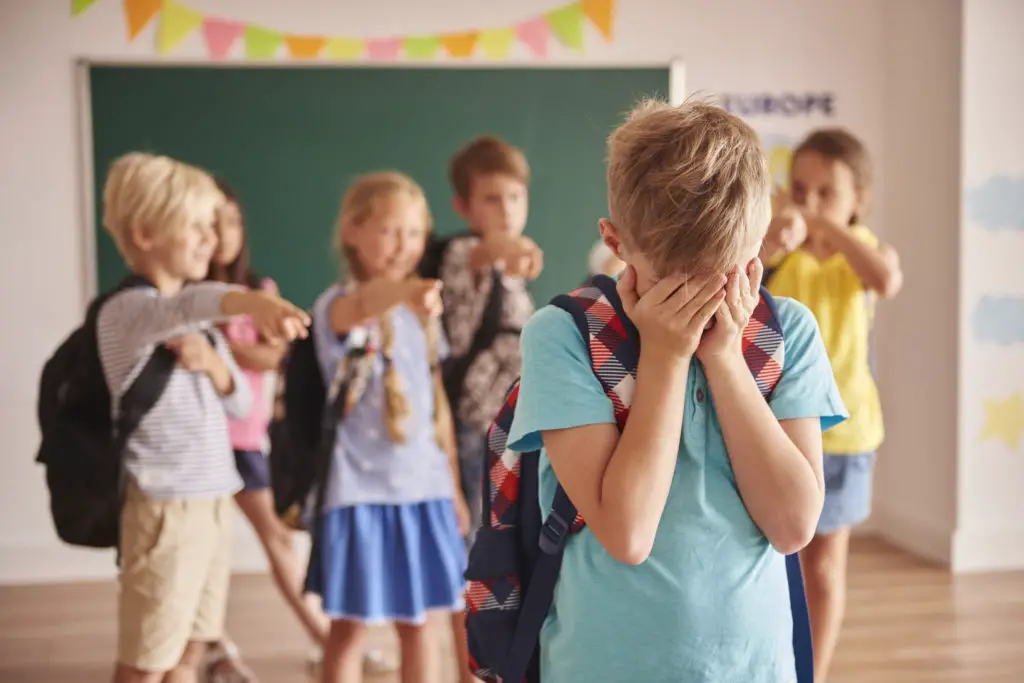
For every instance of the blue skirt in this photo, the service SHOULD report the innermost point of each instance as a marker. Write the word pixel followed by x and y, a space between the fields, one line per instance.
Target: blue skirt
pixel 386 563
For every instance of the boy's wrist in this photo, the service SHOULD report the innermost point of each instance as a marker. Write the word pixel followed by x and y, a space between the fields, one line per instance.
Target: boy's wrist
pixel 725 363
pixel 236 302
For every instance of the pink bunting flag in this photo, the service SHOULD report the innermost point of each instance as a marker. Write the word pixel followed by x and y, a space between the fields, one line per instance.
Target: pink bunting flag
pixel 534 34
pixel 384 49
pixel 221 36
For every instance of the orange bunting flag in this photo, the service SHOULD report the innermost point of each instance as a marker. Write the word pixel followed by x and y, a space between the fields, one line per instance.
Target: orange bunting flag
pixel 601 13
pixel 459 45
pixel 138 14
pixel 304 47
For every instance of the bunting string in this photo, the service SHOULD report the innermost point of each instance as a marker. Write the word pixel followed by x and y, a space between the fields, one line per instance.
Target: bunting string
pixel 564 26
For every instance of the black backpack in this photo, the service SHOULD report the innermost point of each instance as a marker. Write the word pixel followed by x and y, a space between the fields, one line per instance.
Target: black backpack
pixel 455 369
pixel 82 447
pixel 302 432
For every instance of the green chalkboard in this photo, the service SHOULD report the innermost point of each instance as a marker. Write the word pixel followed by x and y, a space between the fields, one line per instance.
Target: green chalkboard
pixel 290 140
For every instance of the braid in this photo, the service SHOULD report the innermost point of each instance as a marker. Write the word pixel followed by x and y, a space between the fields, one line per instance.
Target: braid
pixel 442 410
pixel 396 405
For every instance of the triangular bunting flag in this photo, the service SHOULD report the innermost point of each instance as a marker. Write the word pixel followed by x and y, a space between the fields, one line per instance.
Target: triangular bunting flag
pixel 600 13
pixel 221 36
pixel 534 34
pixel 497 43
pixel 138 13
pixel 567 25
pixel 344 48
pixel 421 47
pixel 79 6
pixel 384 49
pixel 459 45
pixel 176 23
pixel 261 43
pixel 304 47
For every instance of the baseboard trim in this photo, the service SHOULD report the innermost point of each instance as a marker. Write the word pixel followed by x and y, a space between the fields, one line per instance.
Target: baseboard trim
pixel 924 539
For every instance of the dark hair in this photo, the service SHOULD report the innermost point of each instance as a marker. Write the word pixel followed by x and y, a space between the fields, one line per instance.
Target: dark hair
pixel 484 155
pixel 238 272
pixel 838 144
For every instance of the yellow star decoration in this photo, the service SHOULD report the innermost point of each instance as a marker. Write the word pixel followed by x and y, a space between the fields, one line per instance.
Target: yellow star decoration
pixel 1004 419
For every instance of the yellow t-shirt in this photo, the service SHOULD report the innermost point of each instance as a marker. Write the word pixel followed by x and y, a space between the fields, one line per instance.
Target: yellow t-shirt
pixel 844 310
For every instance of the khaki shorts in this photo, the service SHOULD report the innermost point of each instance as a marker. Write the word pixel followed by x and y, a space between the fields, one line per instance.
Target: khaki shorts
pixel 175 570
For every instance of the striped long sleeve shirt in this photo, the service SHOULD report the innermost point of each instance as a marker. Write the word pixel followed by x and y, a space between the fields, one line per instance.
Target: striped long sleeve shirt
pixel 181 449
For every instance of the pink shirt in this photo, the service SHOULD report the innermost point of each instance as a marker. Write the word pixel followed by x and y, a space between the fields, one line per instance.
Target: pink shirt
pixel 249 433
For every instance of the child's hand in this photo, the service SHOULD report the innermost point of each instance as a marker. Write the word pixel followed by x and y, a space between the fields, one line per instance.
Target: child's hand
pixel 462 514
pixel 788 229
pixel 742 292
pixel 194 352
pixel 424 297
pixel 519 257
pixel 672 316
pixel 274 317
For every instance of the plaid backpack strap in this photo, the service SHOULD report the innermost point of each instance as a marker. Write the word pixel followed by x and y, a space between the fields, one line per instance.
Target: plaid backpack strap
pixel 763 345
pixel 613 345
pixel 501 500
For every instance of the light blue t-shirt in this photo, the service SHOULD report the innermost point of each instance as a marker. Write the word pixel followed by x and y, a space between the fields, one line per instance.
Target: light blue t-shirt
pixel 711 603
pixel 368 467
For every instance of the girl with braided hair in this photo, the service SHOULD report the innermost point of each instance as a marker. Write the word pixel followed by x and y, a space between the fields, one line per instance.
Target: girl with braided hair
pixel 387 545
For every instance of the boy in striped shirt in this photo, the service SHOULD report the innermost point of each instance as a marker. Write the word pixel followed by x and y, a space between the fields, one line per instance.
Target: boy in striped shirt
pixel 175 525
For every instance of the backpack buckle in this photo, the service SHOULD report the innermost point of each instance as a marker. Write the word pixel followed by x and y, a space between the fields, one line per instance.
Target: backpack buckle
pixel 552 534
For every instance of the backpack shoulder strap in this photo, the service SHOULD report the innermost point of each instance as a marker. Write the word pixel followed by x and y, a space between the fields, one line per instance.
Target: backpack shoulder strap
pixel 144 392
pixel 763 344
pixel 612 340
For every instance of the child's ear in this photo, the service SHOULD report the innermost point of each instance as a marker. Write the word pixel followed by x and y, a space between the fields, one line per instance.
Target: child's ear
pixel 141 238
pixel 610 236
pixel 461 207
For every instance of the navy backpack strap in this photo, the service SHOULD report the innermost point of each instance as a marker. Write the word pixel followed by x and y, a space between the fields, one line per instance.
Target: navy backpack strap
pixel 541 590
pixel 553 534
pixel 803 650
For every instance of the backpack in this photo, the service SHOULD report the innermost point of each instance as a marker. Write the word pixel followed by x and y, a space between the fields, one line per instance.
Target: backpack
pixel 455 369
pixel 302 432
pixel 297 430
pixel 82 446
pixel 514 565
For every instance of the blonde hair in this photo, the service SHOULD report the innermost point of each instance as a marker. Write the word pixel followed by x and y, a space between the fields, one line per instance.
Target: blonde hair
pixel 485 155
pixel 688 186
pixel 157 194
pixel 361 200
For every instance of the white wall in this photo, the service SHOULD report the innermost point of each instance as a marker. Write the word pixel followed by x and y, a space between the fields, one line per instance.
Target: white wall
pixel 917 332
pixel 728 45
pixel 990 532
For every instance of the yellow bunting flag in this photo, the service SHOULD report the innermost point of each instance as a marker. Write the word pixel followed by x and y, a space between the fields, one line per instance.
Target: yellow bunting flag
pixel 79 6
pixel 138 14
pixel 345 48
pixel 261 43
pixel 600 13
pixel 567 25
pixel 176 23
pixel 459 45
pixel 421 47
pixel 497 43
pixel 304 47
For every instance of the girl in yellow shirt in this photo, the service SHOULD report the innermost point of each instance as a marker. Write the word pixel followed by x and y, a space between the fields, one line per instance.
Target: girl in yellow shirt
pixel 819 253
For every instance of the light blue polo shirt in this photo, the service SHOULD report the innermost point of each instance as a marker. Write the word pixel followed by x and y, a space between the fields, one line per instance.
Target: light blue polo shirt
pixel 711 603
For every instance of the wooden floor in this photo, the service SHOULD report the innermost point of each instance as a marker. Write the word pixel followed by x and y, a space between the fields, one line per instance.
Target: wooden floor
pixel 907 623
